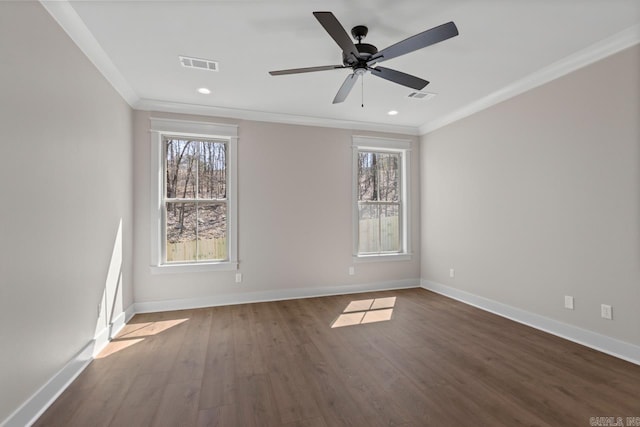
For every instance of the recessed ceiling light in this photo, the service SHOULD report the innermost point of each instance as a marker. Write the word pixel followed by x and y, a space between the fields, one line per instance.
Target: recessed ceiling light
pixel 392 113
pixel 204 91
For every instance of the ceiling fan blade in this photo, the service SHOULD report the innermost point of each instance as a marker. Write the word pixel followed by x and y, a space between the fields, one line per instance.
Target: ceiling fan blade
pixel 424 39
pixel 337 32
pixel 399 77
pixel 345 88
pixel 305 70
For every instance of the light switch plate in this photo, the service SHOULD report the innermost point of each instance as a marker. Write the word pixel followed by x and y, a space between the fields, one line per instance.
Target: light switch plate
pixel 568 302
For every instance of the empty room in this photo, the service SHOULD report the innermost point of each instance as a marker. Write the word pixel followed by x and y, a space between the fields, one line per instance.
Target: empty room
pixel 318 214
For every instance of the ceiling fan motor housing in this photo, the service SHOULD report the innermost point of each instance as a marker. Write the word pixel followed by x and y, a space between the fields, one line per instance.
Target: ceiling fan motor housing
pixel 365 50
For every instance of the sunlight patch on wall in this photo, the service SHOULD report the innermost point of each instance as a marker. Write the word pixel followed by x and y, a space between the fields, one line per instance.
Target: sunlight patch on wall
pixel 366 311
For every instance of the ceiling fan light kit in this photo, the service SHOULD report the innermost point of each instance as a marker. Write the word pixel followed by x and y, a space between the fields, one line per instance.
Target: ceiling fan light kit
pixel 363 57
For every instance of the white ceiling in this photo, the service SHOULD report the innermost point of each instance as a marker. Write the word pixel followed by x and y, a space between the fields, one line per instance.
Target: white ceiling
pixel 136 44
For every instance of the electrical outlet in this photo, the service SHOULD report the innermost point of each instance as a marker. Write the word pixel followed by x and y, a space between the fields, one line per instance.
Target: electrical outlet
pixel 352 271
pixel 568 302
pixel 606 311
pixel 238 277
pixel 452 273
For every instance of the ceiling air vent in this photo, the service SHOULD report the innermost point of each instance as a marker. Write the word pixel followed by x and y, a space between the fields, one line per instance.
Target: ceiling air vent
pixel 202 64
pixel 422 95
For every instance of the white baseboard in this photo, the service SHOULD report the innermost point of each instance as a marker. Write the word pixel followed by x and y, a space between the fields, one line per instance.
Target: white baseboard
pixel 596 341
pixel 104 337
pixel 33 407
pixel 275 295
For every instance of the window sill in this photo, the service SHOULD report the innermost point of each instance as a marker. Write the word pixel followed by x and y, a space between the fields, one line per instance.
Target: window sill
pixel 382 257
pixel 193 268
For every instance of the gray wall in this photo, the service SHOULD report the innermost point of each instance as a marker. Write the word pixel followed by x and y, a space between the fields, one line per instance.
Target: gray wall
pixel 294 225
pixel 539 197
pixel 65 182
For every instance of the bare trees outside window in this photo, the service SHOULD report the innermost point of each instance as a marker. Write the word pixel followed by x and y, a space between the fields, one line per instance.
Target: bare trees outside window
pixel 195 200
pixel 379 202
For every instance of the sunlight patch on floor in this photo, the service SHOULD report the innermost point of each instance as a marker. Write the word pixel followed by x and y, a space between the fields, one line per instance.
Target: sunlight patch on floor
pixel 134 333
pixel 383 303
pixel 116 346
pixel 361 305
pixel 149 328
pixel 348 319
pixel 366 311
pixel 377 316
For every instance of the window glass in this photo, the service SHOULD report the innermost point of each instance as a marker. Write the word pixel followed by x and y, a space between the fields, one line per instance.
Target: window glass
pixel 195 204
pixel 379 189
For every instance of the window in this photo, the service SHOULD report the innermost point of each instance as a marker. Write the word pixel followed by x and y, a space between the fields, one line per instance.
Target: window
pixel 195 200
pixel 194 208
pixel 380 198
pixel 379 202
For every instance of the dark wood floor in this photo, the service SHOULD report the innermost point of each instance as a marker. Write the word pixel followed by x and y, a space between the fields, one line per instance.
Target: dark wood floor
pixel 436 362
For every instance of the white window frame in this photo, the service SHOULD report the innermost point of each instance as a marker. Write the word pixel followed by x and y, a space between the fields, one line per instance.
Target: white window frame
pixel 403 147
pixel 161 128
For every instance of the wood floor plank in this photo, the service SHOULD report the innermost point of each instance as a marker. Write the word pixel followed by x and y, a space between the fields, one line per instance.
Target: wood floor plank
pixel 219 375
pixel 190 361
pixel 179 405
pixel 368 379
pixel 282 354
pixel 209 418
pixel 142 400
pixel 103 399
pixel 293 402
pixel 221 416
pixel 164 337
pixel 310 422
pixel 248 358
pixel 433 361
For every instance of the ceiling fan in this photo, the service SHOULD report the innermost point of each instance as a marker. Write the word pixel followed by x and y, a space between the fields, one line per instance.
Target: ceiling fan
pixel 363 57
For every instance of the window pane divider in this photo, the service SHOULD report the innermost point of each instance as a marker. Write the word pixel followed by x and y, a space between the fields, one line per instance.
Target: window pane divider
pixel 195 200
pixel 379 202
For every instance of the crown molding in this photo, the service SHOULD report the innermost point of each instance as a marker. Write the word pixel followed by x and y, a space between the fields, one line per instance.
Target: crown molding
pixel 600 50
pixel 262 116
pixel 66 16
